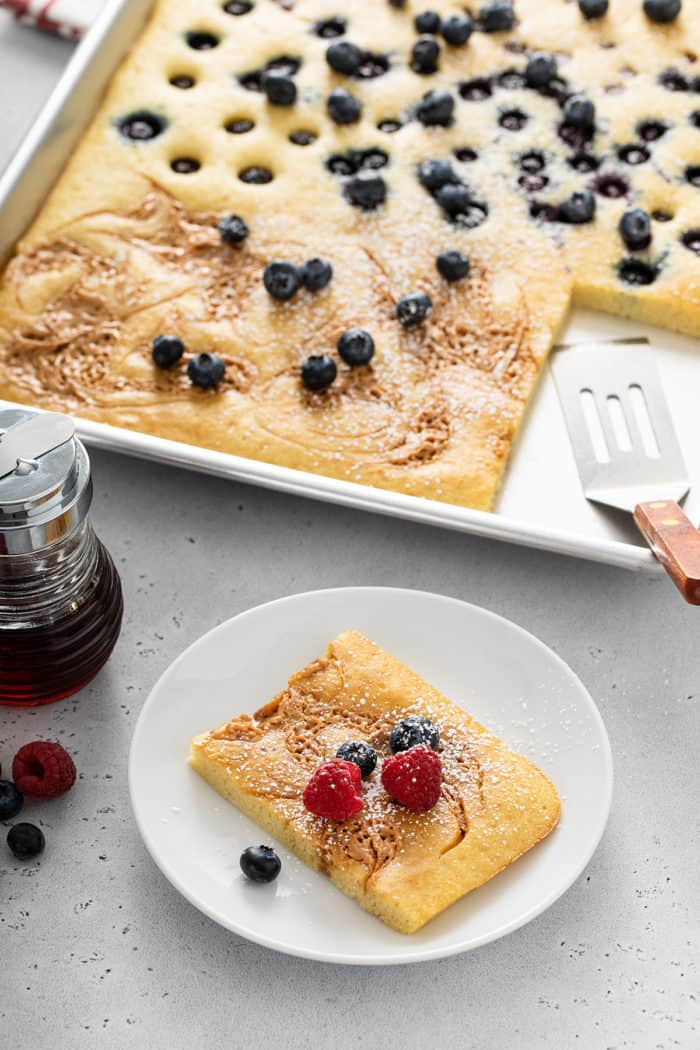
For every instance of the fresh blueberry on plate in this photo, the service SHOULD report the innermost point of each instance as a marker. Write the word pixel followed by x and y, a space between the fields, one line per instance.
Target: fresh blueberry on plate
pixel 260 864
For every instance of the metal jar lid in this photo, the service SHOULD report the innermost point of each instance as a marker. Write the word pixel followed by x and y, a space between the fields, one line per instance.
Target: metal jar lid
pixel 45 483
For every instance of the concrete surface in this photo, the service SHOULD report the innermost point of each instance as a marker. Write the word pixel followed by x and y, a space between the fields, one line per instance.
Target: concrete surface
pixel 98 951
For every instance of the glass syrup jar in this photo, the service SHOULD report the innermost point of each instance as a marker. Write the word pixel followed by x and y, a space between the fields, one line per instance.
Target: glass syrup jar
pixel 60 594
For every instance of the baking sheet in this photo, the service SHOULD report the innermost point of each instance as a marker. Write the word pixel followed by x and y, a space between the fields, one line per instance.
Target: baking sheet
pixel 541 504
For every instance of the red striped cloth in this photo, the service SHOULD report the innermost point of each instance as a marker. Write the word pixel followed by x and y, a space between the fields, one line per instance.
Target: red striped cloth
pixel 68 17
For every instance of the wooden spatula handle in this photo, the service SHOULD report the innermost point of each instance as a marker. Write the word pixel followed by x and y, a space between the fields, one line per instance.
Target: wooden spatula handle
pixel 675 541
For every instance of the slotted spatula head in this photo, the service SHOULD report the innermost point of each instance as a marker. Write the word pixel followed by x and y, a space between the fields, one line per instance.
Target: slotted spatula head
pixel 619 423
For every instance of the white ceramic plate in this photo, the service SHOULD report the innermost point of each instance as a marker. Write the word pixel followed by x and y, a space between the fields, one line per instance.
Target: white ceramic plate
pixel 504 676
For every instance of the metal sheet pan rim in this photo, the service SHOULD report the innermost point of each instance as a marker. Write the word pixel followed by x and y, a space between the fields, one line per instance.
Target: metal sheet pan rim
pixel 363 497
pixel 481 523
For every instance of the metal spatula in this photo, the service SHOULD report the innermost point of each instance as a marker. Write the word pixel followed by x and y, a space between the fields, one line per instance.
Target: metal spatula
pixel 626 448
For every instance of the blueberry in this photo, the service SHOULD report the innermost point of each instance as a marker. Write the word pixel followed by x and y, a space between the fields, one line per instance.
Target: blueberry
pixel 26 841
pixel 635 229
pixel 427 22
pixel 11 800
pixel 662 10
pixel 260 863
pixel 651 130
pixel 279 88
pixel 331 27
pixel 579 112
pixel 316 274
pixel 343 108
pixel 366 190
pixel 578 208
pixel 344 57
pixel 363 755
pixel 356 347
pixel 201 40
pixel 457 29
pixel 453 265
pixel 414 308
pixel 238 7
pixel 318 371
pixel 185 165
pixel 540 69
pixel 256 175
pixel 433 174
pixel 302 138
pixel 141 126
pixel 239 126
pixel 593 8
pixel 166 350
pixel 281 279
pixel 206 370
pixel 372 66
pixel 497 16
pixel 454 198
pixel 436 108
pixel 233 229
pixel 637 272
pixel 412 731
pixel 424 55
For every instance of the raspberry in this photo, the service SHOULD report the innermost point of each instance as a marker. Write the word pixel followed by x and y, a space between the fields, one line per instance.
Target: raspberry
pixel 43 769
pixel 413 778
pixel 334 790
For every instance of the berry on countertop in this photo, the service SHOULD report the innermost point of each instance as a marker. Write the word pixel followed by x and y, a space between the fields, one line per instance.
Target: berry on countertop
pixel 233 229
pixel 436 109
pixel 206 370
pixel 434 174
pixel 43 769
pixel 318 371
pixel 316 274
pixel 279 88
pixel 416 729
pixel 260 863
pixel 579 112
pixel 452 265
pixel 334 790
pixel 427 22
pixel 662 10
pixel 281 279
pixel 424 55
pixel 593 8
pixel 343 108
pixel 497 16
pixel 365 190
pixel 166 350
pixel 635 229
pixel 413 308
pixel 344 57
pixel 356 347
pixel 457 29
pixel 26 841
pixel 540 69
pixel 577 208
pixel 11 800
pixel 414 778
pixel 362 754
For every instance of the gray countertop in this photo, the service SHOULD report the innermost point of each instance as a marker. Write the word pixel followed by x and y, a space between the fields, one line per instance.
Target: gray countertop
pixel 99 951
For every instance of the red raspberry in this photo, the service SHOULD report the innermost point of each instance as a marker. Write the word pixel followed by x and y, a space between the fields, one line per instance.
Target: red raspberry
pixel 43 769
pixel 414 778
pixel 334 790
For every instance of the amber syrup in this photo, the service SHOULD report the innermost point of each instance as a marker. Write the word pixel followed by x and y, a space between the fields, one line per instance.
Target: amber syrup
pixel 50 656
